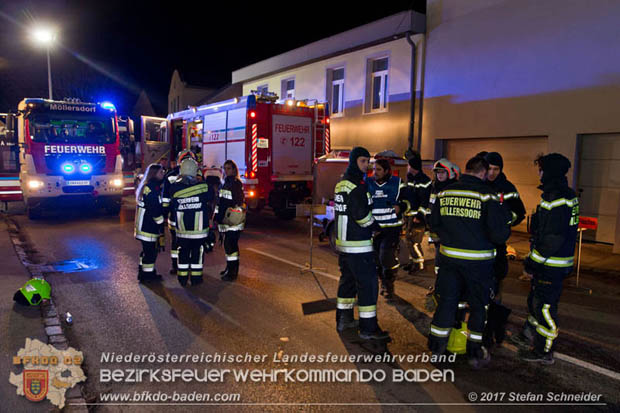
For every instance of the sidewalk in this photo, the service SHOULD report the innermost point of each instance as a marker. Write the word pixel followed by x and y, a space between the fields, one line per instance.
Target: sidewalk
pixel 595 258
pixel 16 324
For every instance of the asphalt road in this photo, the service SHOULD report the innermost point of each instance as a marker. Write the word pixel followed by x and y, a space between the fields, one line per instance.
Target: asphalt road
pixel 261 315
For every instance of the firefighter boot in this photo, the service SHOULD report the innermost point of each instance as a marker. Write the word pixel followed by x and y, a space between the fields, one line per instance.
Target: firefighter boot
pixel 388 283
pixel 223 273
pixel 140 273
pixel 197 279
pixel 182 280
pixel 345 320
pixel 174 268
pixel 233 271
pixel 479 357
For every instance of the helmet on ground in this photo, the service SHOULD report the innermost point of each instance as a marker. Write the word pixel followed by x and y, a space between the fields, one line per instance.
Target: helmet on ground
pixel 33 292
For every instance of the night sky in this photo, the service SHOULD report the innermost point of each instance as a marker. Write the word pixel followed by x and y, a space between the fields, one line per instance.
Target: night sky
pixel 138 44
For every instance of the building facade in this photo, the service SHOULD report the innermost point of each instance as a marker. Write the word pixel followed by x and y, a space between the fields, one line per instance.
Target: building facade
pixel 183 94
pixel 528 77
pixel 364 73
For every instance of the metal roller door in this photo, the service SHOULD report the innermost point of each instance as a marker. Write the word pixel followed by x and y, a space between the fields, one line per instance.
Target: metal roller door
pixel 518 155
pixel 599 163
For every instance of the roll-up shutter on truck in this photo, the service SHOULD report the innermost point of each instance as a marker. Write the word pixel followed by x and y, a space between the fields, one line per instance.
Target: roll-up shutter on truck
pixel 292 145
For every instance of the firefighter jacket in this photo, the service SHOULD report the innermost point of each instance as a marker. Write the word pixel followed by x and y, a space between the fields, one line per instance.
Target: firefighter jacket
pixel 354 220
pixel 149 214
pixel 469 220
pixel 420 185
pixel 509 197
pixel 231 195
pixel 385 196
pixel 169 179
pixel 190 209
pixel 554 228
pixel 436 188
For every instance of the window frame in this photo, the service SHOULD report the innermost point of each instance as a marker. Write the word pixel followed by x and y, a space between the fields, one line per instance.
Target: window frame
pixel 341 83
pixel 384 76
pixel 285 89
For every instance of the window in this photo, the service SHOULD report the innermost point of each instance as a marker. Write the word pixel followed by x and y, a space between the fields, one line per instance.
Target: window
pixel 262 89
pixel 377 85
pixel 288 89
pixel 337 92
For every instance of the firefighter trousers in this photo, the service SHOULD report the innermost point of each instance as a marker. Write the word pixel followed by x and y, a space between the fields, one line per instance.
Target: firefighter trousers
pixel 385 244
pixel 358 278
pixel 542 304
pixel 148 257
pixel 231 249
pixel 190 257
pixel 174 248
pixel 475 279
pixel 413 237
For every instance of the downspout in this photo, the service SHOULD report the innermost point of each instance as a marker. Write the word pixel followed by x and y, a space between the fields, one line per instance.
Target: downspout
pixel 412 95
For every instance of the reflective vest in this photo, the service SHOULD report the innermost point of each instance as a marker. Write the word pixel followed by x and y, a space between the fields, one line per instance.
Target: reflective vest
pixel 190 208
pixel 384 197
pixel 354 220
pixel 149 214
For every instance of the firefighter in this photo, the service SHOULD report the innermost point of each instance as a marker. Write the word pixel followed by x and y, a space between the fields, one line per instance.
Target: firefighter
pixel 355 224
pixel 444 173
pixel 190 214
pixel 231 196
pixel 469 220
pixel 554 234
pixel 385 190
pixel 212 176
pixel 420 184
pixel 149 220
pixel 171 177
pixel 497 316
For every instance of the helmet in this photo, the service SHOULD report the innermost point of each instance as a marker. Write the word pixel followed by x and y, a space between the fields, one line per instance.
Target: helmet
pixel 456 170
pixel 33 292
pixel 184 155
pixel 445 165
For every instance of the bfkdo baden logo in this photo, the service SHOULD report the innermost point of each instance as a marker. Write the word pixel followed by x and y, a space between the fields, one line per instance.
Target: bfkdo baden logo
pixel 35 384
pixel 47 372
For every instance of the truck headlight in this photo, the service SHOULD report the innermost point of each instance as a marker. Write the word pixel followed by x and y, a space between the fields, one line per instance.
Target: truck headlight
pixel 118 183
pixel 35 184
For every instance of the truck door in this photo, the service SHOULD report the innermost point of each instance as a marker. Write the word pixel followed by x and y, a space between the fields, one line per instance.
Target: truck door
pixel 154 140
pixel 10 189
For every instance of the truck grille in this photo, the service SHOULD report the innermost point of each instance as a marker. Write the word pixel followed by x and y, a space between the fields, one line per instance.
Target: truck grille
pixel 77 189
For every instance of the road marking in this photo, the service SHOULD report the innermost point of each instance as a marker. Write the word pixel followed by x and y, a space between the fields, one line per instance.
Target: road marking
pixel 294 264
pixel 577 362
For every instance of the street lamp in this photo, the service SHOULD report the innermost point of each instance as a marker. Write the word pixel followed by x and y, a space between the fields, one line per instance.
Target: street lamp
pixel 46 37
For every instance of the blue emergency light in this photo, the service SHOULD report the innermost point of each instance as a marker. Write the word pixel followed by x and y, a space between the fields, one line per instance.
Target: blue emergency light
pixel 68 168
pixel 85 168
pixel 108 105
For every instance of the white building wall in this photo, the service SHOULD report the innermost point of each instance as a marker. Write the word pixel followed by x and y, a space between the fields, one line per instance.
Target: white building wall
pixel 376 131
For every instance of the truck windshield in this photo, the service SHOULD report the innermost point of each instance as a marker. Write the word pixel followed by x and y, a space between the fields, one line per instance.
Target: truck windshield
pixel 72 128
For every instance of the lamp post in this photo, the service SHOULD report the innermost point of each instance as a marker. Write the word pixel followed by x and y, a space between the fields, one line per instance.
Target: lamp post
pixel 46 37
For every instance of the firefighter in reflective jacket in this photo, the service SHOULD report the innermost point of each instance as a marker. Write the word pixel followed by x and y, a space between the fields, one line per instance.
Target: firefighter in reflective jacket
pixel 170 178
pixel 470 221
pixel 149 220
pixel 497 316
pixel 190 213
pixel 554 234
pixel 387 204
pixel 231 196
pixel 420 184
pixel 354 224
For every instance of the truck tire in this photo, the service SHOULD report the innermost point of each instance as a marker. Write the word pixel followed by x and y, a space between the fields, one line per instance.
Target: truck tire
pixel 285 213
pixel 34 213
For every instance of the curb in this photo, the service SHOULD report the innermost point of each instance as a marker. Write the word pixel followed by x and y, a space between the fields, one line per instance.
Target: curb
pixel 49 315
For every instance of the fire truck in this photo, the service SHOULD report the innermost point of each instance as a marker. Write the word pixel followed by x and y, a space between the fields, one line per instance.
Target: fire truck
pixel 274 144
pixel 68 154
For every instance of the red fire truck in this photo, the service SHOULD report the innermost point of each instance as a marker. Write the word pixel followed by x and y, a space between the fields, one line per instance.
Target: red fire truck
pixel 68 154
pixel 273 143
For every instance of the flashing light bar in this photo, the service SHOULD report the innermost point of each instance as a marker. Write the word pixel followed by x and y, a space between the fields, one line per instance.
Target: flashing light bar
pixel 108 106
pixel 68 168
pixel 85 168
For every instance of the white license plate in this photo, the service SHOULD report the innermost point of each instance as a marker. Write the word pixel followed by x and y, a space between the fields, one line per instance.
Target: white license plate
pixel 77 183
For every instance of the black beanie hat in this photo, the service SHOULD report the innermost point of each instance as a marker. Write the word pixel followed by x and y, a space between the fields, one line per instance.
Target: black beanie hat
pixel 353 172
pixel 494 158
pixel 554 165
pixel 415 161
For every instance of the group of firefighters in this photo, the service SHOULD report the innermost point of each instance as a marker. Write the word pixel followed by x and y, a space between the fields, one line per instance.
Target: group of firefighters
pixel 192 204
pixel 469 218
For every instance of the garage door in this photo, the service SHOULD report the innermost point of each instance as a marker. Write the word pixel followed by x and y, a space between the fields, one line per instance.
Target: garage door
pixel 518 154
pixel 599 179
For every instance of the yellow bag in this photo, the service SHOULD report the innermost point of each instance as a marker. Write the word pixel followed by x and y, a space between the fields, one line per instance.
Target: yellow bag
pixel 457 342
pixel 234 216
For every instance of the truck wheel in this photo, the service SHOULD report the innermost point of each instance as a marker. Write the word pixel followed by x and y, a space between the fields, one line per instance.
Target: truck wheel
pixel 285 213
pixel 34 213
pixel 113 209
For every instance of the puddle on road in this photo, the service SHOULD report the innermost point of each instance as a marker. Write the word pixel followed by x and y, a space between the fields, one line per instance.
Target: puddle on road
pixel 77 265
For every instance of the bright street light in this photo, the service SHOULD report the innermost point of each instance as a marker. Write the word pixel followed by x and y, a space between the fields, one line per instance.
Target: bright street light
pixel 46 37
